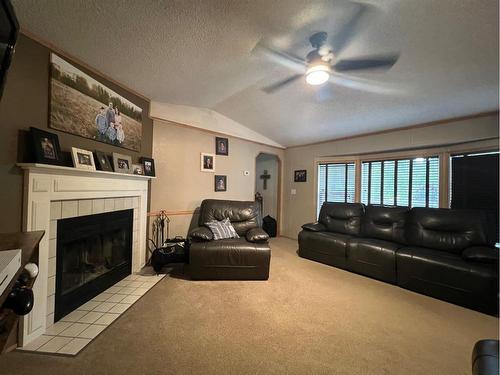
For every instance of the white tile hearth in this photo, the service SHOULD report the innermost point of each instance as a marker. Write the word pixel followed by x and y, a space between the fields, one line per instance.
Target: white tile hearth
pixel 77 329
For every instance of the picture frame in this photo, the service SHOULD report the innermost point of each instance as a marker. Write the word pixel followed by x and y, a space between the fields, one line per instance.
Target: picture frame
pixel 221 146
pixel 138 169
pixel 82 105
pixel 122 163
pixel 46 147
pixel 149 166
pixel 102 161
pixel 207 162
pixel 300 175
pixel 82 159
pixel 220 183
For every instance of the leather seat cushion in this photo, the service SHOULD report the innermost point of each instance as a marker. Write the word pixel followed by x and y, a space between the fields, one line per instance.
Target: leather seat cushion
pixel 372 257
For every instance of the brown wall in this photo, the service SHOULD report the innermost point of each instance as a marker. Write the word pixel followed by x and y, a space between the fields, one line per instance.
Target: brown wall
pixel 300 208
pixel 25 103
pixel 180 186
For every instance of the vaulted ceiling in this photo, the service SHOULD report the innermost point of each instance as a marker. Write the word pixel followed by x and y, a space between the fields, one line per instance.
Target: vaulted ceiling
pixel 199 53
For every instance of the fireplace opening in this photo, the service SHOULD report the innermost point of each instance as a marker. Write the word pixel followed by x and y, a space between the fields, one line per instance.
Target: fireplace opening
pixel 94 252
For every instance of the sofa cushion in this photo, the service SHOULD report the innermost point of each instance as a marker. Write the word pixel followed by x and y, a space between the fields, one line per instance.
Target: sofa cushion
pixel 385 223
pixel 373 257
pixel 243 215
pixel 449 277
pixel 222 229
pixel 445 229
pixel 342 217
pixel 485 358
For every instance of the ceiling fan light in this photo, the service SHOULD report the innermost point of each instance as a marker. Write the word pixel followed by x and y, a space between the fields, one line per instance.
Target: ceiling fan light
pixel 318 74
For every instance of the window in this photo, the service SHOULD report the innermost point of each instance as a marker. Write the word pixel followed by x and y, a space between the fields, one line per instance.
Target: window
pixel 474 185
pixel 403 182
pixel 336 183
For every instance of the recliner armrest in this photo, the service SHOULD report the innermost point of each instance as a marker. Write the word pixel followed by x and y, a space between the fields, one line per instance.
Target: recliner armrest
pixel 257 235
pixel 201 234
pixel 481 254
pixel 314 227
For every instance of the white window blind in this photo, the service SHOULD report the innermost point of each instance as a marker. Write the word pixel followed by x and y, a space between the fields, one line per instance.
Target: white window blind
pixel 336 183
pixel 402 182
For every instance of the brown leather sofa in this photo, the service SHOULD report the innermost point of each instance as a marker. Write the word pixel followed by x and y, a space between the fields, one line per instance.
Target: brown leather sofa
pixel 244 258
pixel 442 253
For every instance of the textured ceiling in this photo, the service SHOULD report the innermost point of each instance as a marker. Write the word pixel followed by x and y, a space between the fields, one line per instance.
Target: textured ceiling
pixel 198 53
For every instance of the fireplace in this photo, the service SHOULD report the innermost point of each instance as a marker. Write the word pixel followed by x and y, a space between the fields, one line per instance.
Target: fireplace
pixel 93 253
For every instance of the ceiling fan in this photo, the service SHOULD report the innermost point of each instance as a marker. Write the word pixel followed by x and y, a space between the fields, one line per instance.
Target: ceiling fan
pixel 321 64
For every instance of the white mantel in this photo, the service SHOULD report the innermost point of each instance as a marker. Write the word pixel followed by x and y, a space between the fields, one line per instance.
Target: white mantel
pixel 79 192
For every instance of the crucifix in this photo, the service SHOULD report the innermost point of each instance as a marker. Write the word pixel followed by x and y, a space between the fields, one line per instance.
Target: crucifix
pixel 265 177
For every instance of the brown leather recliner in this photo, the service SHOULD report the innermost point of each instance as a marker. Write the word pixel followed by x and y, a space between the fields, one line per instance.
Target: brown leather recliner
pixel 244 258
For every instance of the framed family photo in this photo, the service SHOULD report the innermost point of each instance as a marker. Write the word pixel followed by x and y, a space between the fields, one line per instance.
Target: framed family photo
pixel 220 183
pixel 82 159
pixel 122 163
pixel 102 162
pixel 300 176
pixel 221 146
pixel 82 106
pixel 149 166
pixel 207 162
pixel 46 147
pixel 138 169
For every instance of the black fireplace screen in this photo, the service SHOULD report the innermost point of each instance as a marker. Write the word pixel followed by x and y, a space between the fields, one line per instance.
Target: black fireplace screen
pixel 93 253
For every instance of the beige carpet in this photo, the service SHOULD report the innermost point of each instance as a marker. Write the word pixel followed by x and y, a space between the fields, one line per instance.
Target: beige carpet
pixel 308 318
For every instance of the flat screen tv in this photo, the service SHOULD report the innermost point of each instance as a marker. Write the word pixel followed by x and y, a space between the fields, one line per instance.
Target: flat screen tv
pixel 9 29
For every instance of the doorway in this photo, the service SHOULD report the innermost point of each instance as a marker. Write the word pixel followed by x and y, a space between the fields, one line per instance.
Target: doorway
pixel 267 184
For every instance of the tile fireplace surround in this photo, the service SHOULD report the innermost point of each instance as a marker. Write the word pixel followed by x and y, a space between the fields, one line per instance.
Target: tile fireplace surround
pixel 52 193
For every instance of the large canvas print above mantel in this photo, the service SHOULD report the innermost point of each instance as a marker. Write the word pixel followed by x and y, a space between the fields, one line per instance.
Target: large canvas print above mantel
pixel 82 106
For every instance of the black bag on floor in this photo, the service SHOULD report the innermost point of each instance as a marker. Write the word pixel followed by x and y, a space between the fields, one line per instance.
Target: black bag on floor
pixel 173 251
pixel 270 226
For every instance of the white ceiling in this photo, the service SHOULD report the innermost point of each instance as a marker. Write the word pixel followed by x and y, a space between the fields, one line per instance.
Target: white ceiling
pixel 198 53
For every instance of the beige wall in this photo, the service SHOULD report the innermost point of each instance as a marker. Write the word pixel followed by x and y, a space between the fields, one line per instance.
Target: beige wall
pixel 268 163
pixel 301 208
pixel 180 186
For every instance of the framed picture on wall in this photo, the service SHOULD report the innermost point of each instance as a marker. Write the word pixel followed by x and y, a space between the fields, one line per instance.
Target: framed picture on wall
pixel 82 159
pixel 220 183
pixel 81 105
pixel 149 166
pixel 207 162
pixel 122 163
pixel 300 175
pixel 102 162
pixel 45 147
pixel 221 146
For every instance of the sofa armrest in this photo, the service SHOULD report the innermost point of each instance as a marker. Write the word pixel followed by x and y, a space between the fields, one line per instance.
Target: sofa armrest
pixel 314 227
pixel 257 235
pixel 201 234
pixel 481 254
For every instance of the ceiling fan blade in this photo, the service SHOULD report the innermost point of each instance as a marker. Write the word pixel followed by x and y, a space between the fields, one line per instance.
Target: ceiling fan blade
pixel 342 38
pixel 285 59
pixel 278 85
pixel 362 84
pixel 366 63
